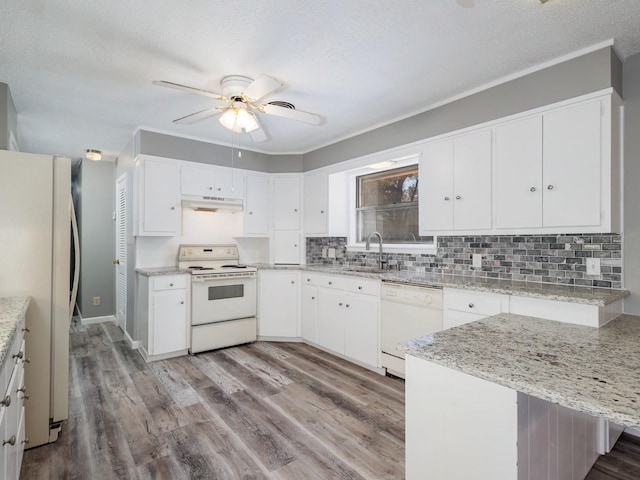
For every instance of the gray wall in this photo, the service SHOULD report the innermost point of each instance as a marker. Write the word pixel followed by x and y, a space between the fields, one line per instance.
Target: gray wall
pixel 572 78
pixel 631 254
pixel 162 145
pixel 8 117
pixel 96 229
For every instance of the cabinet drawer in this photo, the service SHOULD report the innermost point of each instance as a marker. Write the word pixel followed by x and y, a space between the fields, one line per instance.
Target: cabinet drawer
pixel 311 278
pixel 361 285
pixel 331 281
pixel 480 303
pixel 169 282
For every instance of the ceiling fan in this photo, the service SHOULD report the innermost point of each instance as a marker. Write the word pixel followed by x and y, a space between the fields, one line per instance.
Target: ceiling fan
pixel 239 95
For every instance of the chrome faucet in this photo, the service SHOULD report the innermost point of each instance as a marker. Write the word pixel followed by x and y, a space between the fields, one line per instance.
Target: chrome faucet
pixel 368 246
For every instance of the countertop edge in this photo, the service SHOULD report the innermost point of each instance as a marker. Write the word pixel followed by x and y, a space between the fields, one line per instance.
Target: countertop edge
pixel 12 310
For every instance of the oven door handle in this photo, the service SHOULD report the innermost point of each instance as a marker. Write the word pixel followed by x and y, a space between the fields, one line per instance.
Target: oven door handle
pixel 220 278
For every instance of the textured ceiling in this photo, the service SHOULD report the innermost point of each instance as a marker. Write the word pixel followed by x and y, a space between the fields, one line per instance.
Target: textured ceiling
pixel 80 71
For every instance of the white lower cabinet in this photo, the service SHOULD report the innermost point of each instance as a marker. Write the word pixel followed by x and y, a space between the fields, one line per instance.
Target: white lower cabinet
pixel 163 315
pixel 13 394
pixel 346 315
pixel 278 311
pixel 309 314
pixel 465 306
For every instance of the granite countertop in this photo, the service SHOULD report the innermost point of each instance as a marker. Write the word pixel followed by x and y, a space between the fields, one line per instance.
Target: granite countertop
pixel 11 311
pixel 592 370
pixel 149 271
pixel 566 293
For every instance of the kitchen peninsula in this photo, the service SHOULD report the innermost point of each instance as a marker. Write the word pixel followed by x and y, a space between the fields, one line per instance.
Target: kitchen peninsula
pixel 517 397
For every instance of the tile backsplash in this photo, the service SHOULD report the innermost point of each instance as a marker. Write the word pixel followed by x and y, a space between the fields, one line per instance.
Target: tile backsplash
pixel 559 259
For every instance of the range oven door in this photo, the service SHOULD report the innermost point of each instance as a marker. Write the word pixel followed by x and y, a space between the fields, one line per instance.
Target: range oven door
pixel 222 299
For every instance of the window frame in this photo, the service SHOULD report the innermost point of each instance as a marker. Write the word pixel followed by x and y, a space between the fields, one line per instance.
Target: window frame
pixel 379 164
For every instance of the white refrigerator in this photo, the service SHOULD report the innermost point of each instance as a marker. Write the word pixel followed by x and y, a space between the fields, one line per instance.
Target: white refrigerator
pixel 35 226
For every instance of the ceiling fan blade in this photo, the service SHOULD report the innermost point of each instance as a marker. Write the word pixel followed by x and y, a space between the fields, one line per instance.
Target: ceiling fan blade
pixel 258 135
pixel 261 87
pixel 196 117
pixel 197 91
pixel 299 115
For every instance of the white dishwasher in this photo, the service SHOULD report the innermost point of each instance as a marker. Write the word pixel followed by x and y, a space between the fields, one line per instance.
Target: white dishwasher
pixel 407 311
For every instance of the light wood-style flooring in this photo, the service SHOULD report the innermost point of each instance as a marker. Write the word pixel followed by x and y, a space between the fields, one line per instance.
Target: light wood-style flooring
pixel 265 410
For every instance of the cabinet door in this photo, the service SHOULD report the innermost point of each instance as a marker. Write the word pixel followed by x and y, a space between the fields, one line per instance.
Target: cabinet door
pixel 256 209
pixel 518 176
pixel 286 203
pixel 198 181
pixel 286 247
pixel 315 203
pixel 472 181
pixel 310 313
pixel 361 329
pixel 436 187
pixel 331 326
pixel 229 185
pixel 169 322
pixel 278 304
pixel 161 202
pixel 571 165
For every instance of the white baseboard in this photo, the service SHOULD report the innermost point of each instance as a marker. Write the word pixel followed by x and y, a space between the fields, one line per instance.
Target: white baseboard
pixel 106 318
pixel 133 344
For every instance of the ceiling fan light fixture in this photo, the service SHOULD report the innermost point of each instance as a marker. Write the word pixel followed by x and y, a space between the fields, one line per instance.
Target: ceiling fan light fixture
pixel 239 119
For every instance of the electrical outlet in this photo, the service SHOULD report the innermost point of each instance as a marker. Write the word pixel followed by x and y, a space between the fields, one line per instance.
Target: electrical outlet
pixel 593 266
pixel 331 253
pixel 477 260
pixel 324 252
pixel 96 301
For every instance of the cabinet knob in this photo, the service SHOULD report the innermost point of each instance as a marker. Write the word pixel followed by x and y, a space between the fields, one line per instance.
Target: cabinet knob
pixel 446 199
pixel 171 284
pixel 549 187
pixel 295 245
pixel 295 209
pixel 313 298
pixel 26 396
pixel 321 211
pixel 210 188
pixel 173 208
pixel 250 213
pixel 26 329
pixel 308 279
pixel 532 189
pixel 219 188
pixel 359 287
pixel 11 441
pixel 26 441
pixel 182 302
pixel 330 283
pixel 292 282
pixel 18 355
pixel 6 401
pixel 340 304
pixel 27 360
pixel 471 305
pixel 347 305
pixel 458 197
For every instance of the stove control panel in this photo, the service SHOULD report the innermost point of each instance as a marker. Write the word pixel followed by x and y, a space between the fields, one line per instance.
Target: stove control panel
pixel 207 253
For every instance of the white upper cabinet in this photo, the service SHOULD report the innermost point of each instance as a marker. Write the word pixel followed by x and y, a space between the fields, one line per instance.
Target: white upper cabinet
pixel 315 203
pixel 286 202
pixel 455 184
pixel 571 165
pixel 158 197
pixel 200 181
pixel 518 174
pixel 559 171
pixel 256 206
pixel 207 181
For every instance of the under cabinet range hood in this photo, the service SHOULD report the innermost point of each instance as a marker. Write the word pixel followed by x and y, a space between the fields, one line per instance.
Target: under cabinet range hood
pixel 212 204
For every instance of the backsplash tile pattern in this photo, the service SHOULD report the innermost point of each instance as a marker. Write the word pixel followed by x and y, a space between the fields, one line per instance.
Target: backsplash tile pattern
pixel 558 259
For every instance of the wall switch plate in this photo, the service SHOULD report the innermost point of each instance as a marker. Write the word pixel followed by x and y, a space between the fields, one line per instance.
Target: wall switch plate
pixel 477 260
pixel 96 301
pixel 593 266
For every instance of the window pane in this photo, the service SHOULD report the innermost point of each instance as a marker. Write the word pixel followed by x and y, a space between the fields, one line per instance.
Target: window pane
pixel 388 188
pixel 396 225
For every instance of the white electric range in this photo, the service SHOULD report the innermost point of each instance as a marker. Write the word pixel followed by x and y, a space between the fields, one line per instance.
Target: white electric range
pixel 223 296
